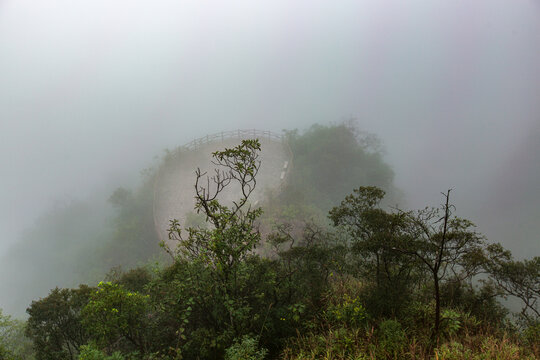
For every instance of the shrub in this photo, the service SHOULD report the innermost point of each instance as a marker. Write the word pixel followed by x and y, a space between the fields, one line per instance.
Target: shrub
pixel 89 352
pixel 114 315
pixel 450 322
pixel 349 312
pixel 246 349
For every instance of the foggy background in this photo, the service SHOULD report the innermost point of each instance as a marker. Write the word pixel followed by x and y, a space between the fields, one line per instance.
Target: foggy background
pixel 92 91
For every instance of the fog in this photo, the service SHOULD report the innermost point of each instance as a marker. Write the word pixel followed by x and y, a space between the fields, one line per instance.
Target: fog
pixel 92 91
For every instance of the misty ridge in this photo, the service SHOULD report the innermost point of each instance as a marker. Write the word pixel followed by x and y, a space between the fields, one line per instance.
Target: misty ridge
pixel 363 261
pixel 332 233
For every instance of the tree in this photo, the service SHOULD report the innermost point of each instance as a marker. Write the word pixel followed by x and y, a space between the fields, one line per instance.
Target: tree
pixel 331 160
pixel 114 316
pixel 54 324
pixel 233 234
pixel 221 249
pixel 375 233
pixel 520 279
pixel 218 288
pixel 446 246
pixel 434 241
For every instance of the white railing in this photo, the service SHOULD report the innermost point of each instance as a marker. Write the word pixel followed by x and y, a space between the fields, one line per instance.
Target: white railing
pixel 234 134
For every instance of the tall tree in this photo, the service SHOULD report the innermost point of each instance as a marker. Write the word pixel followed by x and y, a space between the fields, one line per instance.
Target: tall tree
pixel 375 232
pixel 448 247
pixel 232 234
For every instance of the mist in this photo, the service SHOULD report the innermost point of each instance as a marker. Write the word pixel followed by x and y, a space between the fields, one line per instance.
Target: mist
pixel 91 92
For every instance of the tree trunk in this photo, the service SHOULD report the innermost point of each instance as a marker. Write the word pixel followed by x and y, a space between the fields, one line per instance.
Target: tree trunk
pixel 437 307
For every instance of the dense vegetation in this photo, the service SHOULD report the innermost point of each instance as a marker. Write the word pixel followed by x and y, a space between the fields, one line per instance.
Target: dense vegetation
pixel 329 161
pixel 373 283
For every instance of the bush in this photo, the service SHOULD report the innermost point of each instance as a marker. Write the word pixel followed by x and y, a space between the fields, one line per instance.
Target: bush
pixel 246 349
pixel 349 312
pixel 89 352
pixel 450 322
pixel 114 316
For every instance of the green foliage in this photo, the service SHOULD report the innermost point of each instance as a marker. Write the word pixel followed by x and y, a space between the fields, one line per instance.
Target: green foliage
pixel 319 294
pixel 479 302
pixel 375 235
pixel 246 349
pixel 54 323
pixel 232 237
pixel 222 250
pixel 115 315
pixel 391 338
pixel 348 312
pixel 329 161
pixel 89 352
pixel 450 322
pixel 217 287
pixel 133 280
pixel 197 318
pixel 306 263
pixel 431 240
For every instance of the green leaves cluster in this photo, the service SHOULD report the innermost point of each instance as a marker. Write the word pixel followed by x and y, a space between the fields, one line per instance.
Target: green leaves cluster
pixel 114 314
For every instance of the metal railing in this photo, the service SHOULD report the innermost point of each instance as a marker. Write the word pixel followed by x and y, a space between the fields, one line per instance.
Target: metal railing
pixel 234 134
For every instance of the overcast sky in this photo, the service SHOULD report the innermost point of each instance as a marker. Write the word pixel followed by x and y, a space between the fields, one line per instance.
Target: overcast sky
pixel 91 91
